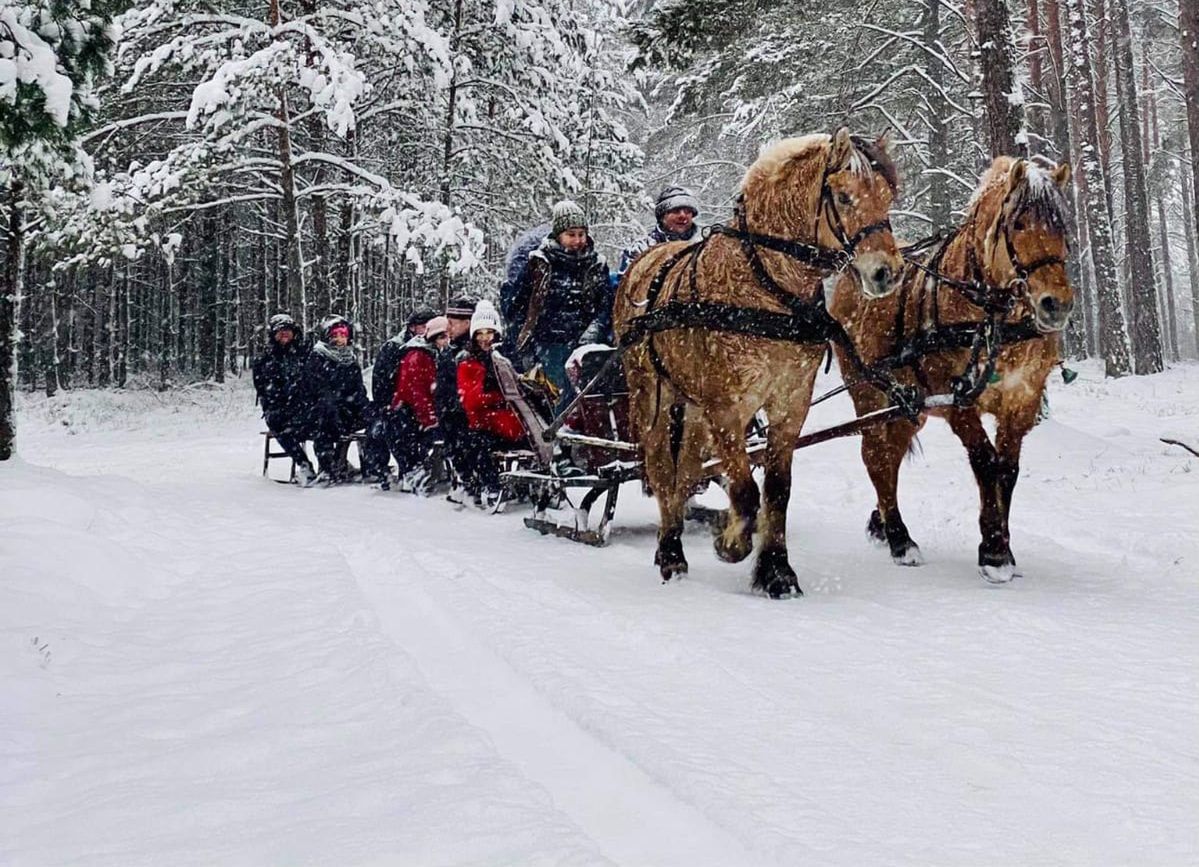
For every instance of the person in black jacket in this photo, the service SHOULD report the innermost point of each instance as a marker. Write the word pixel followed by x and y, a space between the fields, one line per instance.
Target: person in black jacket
pixel 337 399
pixel 279 381
pixel 563 297
pixel 450 416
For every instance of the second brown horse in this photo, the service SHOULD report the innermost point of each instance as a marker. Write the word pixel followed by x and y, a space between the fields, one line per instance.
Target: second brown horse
pixel 1005 265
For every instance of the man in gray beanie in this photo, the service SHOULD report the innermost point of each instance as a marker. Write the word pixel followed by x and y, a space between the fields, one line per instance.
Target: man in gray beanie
pixel 562 298
pixel 675 211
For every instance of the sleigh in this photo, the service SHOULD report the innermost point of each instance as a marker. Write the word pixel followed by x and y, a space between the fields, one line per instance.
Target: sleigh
pixel 603 455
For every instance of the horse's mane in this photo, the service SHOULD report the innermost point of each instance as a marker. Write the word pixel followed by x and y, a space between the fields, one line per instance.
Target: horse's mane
pixel 867 157
pixel 782 166
pixel 1038 197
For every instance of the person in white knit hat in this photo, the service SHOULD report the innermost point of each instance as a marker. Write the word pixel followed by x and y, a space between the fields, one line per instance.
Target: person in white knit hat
pixel 491 423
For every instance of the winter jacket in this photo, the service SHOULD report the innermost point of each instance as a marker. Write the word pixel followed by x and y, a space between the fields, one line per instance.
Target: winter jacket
pixel 279 381
pixel 485 405
pixel 383 374
pixel 335 391
pixel 415 381
pixel 656 236
pixel 574 295
pixel 445 394
pixel 514 269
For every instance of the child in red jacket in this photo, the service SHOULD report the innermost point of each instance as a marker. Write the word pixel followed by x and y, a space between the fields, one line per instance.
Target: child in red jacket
pixel 492 424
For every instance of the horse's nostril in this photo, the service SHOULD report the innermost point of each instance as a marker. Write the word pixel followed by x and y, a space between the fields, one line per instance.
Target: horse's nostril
pixel 882 275
pixel 1050 305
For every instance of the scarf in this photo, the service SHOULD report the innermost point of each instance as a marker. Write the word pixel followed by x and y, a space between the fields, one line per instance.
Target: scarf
pixel 336 354
pixel 563 259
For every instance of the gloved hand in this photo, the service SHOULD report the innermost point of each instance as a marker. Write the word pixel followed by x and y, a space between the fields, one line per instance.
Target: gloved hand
pixel 593 334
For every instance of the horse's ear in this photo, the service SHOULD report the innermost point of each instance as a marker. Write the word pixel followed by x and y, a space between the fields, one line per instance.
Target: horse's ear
pixel 884 141
pixel 1062 175
pixel 841 148
pixel 1016 174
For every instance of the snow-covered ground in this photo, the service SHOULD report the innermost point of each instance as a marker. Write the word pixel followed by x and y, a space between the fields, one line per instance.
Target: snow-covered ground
pixel 201 667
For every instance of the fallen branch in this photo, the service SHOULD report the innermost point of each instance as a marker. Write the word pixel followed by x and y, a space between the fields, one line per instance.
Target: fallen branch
pixel 1184 445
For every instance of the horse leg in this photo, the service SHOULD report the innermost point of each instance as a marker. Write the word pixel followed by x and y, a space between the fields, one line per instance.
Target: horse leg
pixel 735 541
pixel 773 573
pixel 995 563
pixel 1009 438
pixel 883 450
pixel 672 466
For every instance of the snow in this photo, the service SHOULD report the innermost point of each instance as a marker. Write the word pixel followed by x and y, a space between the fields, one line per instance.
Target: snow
pixel 34 62
pixel 205 667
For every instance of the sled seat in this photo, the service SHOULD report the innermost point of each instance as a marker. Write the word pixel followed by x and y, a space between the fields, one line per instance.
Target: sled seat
pixel 343 446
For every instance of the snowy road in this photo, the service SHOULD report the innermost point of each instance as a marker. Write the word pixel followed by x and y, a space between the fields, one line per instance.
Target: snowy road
pixel 231 671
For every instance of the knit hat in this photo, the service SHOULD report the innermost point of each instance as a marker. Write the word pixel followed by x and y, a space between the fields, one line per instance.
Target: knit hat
pixel 567 215
pixel 420 317
pixel 672 198
pixel 333 321
pixel 460 307
pixel 280 321
pixel 436 326
pixel 486 316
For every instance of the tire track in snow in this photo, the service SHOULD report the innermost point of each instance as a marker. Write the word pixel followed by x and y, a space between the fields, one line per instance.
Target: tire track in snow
pixel 633 818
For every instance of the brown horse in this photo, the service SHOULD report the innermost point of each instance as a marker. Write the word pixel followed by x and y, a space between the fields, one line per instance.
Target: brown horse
pixel 980 318
pixel 723 328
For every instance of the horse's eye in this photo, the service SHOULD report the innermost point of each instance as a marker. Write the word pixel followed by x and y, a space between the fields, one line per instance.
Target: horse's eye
pixel 844 198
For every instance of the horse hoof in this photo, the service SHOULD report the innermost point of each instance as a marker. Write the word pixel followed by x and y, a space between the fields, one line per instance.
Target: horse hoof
pixel 998 575
pixel 774 575
pixel 910 556
pixel 737 550
pixel 669 559
pixel 670 570
pixel 875 530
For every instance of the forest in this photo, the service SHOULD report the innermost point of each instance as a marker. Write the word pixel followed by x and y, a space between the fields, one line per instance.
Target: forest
pixel 176 171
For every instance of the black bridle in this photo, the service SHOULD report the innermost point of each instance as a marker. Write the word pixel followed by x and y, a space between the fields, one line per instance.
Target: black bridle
pixel 816 255
pixel 996 301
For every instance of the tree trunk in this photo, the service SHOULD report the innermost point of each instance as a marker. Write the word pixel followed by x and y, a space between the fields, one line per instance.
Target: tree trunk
pixel 1188 28
pixel 1113 338
pixel 10 296
pixel 448 142
pixel 1102 112
pixel 1142 294
pixel 940 208
pixel 1191 231
pixel 1080 334
pixel 1002 100
pixel 1152 138
pixel 1038 129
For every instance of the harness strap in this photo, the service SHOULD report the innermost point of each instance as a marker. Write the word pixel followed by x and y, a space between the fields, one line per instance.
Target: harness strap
pixel 809 324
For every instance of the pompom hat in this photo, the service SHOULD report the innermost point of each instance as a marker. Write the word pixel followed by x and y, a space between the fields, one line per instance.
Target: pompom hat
pixel 486 316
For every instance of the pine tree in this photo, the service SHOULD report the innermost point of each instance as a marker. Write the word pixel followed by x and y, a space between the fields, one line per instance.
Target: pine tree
pixel 51 54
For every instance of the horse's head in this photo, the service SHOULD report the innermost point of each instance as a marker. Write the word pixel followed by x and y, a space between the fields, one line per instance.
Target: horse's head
pixel 1022 224
pixel 832 191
